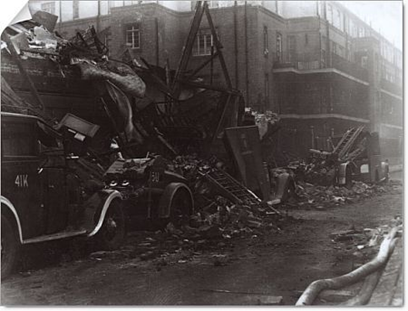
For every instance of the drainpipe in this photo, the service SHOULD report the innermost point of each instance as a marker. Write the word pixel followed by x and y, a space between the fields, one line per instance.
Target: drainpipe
pixel 328 58
pixel 236 44
pixel 246 55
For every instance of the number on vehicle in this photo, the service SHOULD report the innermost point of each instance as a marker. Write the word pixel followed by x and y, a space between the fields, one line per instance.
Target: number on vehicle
pixel 21 181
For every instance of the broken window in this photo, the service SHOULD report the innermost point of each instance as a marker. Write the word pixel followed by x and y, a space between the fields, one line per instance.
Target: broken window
pixel 133 36
pixel 48 7
pixel 204 42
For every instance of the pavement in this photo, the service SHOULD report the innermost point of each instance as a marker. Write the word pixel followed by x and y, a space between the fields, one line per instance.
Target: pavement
pixel 389 290
pixel 396 164
pixel 396 168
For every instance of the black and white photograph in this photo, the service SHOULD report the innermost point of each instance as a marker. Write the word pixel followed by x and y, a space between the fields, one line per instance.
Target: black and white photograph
pixel 202 153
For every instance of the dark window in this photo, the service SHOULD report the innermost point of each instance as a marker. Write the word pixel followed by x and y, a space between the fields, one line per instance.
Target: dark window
pixel 278 47
pixel 306 39
pixel 329 13
pixel 75 9
pixel 19 139
pixel 133 36
pixel 204 42
pixel 48 7
pixel 292 48
pixel 266 43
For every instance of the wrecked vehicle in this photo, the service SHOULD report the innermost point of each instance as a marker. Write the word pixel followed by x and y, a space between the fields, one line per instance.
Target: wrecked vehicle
pixel 49 193
pixel 152 194
pixel 356 157
pixel 364 163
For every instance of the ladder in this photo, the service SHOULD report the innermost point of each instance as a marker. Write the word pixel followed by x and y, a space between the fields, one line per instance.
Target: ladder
pixel 230 188
pixel 347 141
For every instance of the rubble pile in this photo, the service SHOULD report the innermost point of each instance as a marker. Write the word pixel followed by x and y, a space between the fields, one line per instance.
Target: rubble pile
pixel 315 171
pixel 267 123
pixel 363 243
pixel 216 216
pixel 321 197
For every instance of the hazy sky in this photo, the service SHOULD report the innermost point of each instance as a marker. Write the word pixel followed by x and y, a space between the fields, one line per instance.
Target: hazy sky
pixel 385 17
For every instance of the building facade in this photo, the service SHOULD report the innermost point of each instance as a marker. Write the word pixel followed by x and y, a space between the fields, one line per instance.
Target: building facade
pixel 315 63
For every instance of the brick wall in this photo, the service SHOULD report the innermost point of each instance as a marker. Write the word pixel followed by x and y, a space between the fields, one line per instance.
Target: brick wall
pixel 164 32
pixel 159 26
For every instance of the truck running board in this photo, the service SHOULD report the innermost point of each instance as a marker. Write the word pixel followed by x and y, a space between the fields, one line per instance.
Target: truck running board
pixel 55 236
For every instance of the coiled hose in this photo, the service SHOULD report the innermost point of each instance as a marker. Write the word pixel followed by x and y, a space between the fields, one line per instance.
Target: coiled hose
pixel 314 289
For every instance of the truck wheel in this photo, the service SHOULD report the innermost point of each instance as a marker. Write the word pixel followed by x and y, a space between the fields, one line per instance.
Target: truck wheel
pixel 180 208
pixel 113 231
pixel 9 247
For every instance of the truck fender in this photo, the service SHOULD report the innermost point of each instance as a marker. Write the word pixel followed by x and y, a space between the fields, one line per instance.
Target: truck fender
pixel 10 207
pixel 341 177
pixel 106 197
pixel 167 197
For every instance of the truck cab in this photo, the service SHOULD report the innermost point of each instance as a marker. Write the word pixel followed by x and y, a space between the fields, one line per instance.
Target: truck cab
pixel 48 193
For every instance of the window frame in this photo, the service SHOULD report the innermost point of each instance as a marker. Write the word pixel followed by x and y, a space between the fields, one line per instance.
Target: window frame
pixel 203 51
pixel 32 137
pixel 279 46
pixel 266 40
pixel 51 10
pixel 132 29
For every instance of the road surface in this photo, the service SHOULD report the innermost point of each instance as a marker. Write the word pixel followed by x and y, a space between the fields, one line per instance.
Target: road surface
pixel 151 270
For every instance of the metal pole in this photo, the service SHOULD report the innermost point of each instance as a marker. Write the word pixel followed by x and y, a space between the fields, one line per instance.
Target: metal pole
pixel 60 15
pixel 246 56
pixel 98 18
pixel 236 44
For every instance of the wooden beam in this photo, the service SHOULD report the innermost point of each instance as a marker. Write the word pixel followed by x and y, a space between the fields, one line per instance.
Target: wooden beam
pixel 188 47
pixel 218 46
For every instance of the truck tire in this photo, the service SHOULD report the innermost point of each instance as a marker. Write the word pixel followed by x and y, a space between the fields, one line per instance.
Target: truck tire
pixel 10 246
pixel 113 232
pixel 180 208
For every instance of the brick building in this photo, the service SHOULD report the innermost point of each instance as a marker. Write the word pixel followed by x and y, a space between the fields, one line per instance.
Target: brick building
pixel 317 64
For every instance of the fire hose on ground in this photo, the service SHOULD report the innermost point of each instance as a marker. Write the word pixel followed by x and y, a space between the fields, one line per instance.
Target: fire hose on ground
pixel 372 269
